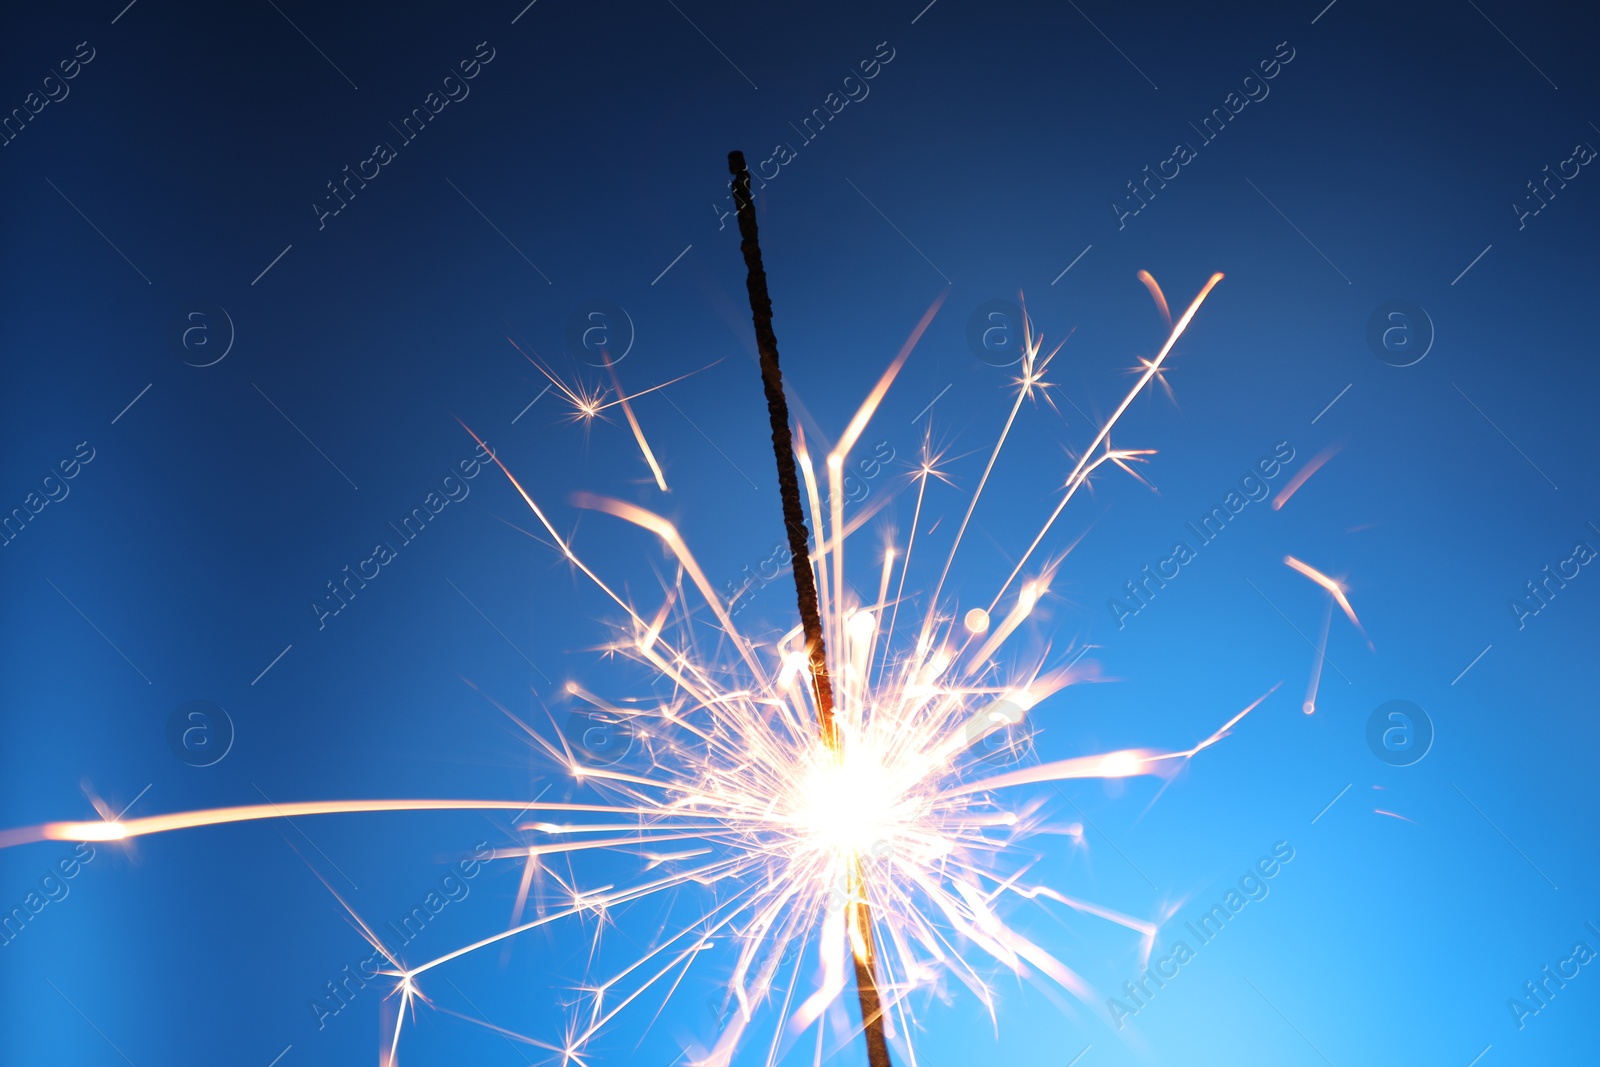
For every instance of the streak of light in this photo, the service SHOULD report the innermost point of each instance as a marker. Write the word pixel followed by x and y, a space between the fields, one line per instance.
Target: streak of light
pixel 1302 475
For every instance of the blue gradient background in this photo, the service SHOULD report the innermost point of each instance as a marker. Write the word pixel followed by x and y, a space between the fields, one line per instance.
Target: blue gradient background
pixel 197 139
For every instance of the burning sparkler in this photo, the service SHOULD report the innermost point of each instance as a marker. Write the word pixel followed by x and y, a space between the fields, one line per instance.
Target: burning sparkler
pixel 860 915
pixel 818 792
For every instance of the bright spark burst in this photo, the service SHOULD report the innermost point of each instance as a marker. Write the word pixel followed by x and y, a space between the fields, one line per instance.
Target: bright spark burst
pixel 787 841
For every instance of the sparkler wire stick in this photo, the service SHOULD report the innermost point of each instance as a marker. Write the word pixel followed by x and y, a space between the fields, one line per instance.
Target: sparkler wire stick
pixel 794 519
pixel 804 580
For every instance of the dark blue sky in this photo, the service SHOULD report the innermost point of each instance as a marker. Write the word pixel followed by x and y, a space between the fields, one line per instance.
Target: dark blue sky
pixel 165 161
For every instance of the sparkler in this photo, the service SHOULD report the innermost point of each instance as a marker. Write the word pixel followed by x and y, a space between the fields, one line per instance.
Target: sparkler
pixel 769 800
pixel 805 585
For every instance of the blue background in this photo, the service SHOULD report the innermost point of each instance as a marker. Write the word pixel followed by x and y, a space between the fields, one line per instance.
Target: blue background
pixel 197 141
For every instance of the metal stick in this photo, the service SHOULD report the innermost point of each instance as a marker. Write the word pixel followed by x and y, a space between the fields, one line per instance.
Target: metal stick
pixel 805 584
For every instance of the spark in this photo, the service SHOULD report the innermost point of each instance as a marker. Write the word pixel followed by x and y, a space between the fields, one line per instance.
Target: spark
pixel 1157 295
pixel 1310 704
pixel 588 402
pixel 1337 591
pixel 1301 476
pixel 1166 316
pixel 633 424
pixel 1332 587
pixel 892 842
pixel 1083 469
